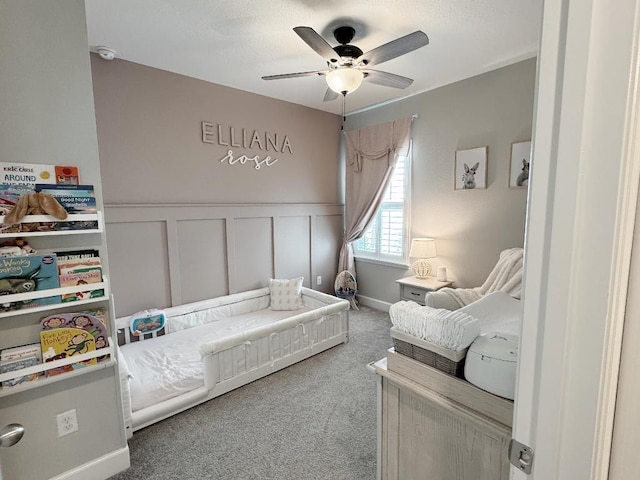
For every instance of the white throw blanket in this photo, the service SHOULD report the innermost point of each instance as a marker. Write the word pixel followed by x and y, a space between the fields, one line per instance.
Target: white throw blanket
pixel 506 277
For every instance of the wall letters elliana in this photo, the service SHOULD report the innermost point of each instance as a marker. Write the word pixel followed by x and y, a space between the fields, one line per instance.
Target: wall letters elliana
pixel 256 140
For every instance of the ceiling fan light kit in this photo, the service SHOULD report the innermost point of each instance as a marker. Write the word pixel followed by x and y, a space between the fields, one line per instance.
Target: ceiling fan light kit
pixel 344 79
pixel 349 66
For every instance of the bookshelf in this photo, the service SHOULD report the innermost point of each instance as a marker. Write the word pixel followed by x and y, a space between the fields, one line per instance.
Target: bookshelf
pixel 98 449
pixel 26 320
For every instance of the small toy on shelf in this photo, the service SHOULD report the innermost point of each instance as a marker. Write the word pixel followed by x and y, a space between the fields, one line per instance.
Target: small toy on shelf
pixel 15 248
pixel 36 203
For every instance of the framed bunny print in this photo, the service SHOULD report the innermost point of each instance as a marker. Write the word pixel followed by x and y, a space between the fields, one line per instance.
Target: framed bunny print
pixel 471 168
pixel 519 164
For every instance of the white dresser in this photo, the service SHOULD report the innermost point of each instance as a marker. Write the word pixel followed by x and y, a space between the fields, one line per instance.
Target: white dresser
pixel 433 426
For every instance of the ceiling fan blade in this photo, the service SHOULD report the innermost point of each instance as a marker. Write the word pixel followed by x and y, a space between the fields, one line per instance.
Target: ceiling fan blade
pixel 394 48
pixel 330 95
pixel 386 79
pixel 294 75
pixel 319 44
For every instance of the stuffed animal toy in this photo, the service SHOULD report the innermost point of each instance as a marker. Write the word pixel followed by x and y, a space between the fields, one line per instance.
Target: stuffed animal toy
pixel 15 248
pixel 36 203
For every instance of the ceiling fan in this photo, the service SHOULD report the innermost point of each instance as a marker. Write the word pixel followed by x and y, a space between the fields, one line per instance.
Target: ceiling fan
pixel 349 66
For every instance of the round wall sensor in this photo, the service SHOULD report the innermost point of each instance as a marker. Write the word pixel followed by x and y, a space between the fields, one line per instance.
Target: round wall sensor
pixel 106 53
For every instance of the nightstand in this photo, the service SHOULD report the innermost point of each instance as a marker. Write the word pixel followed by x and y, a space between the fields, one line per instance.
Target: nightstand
pixel 412 288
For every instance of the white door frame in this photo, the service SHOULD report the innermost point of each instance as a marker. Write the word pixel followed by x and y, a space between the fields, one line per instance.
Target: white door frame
pixel 581 211
pixel 626 434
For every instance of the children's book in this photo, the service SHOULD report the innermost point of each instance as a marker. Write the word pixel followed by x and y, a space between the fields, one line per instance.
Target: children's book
pixel 77 225
pixel 69 260
pixel 100 313
pixel 16 358
pixel 67 175
pixel 65 342
pixel 80 277
pixel 9 195
pixel 84 320
pixel 21 351
pixel 18 364
pixel 26 173
pixel 73 198
pixel 27 274
pixel 77 268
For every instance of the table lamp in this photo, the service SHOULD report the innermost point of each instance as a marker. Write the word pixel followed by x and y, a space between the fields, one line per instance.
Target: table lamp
pixel 422 249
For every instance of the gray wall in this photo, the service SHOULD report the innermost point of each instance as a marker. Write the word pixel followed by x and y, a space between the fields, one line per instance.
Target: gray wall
pixel 183 226
pixel 47 116
pixel 471 227
pixel 149 138
pixel 151 152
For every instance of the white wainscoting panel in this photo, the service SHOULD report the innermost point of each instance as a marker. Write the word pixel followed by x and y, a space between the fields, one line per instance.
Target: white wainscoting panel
pixel 138 265
pixel 293 248
pixel 252 260
pixel 203 245
pixel 326 234
pixel 164 255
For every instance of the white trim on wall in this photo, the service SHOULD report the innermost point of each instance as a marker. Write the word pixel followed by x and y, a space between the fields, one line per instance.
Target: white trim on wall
pixel 163 255
pixel 373 303
pixel 99 468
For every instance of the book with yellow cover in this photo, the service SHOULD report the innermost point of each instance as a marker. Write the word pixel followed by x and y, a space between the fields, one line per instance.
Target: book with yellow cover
pixel 65 342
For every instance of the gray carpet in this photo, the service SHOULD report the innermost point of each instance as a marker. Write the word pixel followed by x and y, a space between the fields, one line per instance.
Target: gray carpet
pixel 313 420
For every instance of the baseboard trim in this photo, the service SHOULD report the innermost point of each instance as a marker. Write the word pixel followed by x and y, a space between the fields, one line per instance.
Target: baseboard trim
pixel 373 303
pixel 99 468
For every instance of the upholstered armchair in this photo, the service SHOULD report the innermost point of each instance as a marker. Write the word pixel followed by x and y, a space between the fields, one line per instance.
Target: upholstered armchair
pixel 506 276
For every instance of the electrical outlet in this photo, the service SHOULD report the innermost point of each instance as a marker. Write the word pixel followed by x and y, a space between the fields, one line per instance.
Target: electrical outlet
pixel 67 423
pixel 319 280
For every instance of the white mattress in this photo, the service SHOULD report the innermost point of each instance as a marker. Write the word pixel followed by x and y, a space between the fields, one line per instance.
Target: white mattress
pixel 171 365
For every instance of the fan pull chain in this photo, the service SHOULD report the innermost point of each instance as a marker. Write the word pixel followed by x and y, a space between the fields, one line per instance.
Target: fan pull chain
pixel 344 117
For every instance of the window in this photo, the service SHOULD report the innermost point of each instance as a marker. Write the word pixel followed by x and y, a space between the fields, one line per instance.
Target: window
pixel 386 237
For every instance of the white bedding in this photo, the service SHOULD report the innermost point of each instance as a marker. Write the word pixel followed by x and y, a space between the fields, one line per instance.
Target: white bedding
pixel 171 365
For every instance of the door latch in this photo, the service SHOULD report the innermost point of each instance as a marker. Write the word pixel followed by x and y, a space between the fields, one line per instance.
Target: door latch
pixel 520 456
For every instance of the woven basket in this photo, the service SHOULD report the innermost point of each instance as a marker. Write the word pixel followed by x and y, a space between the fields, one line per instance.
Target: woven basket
pixel 430 358
pixel 407 345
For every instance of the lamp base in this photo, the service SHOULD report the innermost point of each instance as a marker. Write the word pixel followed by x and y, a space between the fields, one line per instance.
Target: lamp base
pixel 422 268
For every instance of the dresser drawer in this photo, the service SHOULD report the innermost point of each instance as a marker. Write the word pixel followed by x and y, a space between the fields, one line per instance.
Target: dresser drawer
pixel 414 293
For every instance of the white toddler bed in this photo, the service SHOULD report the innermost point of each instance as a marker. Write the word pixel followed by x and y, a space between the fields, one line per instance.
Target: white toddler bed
pixel 211 347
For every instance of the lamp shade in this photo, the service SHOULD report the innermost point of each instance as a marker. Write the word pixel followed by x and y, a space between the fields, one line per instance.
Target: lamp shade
pixel 344 79
pixel 423 248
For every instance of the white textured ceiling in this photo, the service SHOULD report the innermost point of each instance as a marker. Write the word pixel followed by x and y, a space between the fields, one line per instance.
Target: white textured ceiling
pixel 236 42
